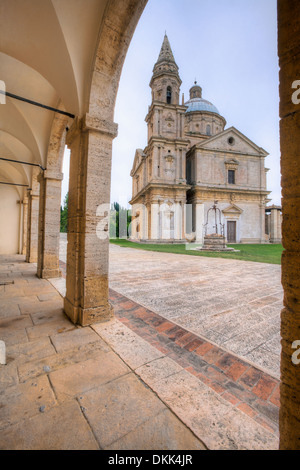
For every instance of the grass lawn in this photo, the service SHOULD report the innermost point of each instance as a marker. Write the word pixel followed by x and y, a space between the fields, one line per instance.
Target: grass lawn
pixel 258 253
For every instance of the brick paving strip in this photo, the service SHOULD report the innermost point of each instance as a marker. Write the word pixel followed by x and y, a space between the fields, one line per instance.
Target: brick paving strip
pixel 249 389
pixel 246 387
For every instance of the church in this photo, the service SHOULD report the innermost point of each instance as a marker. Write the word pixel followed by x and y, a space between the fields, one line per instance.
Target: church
pixel 191 162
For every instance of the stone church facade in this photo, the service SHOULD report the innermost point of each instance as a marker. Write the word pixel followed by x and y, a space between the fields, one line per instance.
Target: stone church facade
pixel 190 162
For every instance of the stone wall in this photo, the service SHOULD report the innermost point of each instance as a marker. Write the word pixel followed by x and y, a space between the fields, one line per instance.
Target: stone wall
pixel 289 61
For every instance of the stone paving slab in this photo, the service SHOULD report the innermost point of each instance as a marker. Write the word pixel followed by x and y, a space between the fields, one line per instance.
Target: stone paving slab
pixel 63 386
pixel 233 303
pixel 152 372
pixel 211 417
pixel 50 430
pixel 248 388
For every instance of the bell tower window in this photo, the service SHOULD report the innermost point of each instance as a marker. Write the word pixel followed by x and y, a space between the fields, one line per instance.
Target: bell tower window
pixel 169 95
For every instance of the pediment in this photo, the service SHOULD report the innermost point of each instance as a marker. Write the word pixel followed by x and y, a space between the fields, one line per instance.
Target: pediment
pixel 233 141
pixel 139 156
pixel 232 209
pixel 232 163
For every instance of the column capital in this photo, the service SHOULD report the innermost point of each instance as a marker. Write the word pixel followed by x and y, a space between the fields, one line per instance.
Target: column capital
pixel 91 123
pixel 32 193
pixel 73 131
pixel 53 174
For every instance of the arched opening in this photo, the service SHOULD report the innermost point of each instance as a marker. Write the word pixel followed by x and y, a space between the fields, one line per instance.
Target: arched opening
pixel 159 155
pixel 169 95
pixel 83 277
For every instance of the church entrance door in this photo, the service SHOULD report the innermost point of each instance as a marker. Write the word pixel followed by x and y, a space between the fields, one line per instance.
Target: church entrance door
pixel 231 232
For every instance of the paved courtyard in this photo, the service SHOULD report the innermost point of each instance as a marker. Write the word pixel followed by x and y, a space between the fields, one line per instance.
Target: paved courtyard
pixel 156 376
pixel 139 381
pixel 233 304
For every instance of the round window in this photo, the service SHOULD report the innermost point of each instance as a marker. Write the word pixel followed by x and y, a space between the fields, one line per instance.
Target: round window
pixel 231 141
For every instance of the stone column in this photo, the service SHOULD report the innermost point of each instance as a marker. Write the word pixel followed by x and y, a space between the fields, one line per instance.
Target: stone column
pixel 199 222
pixel 177 163
pixel 262 208
pixel 182 124
pixel 149 221
pixel 273 225
pixel 49 224
pixel 133 222
pixel 25 224
pixel 145 222
pixel 87 295
pixel 154 221
pixel 155 122
pixel 289 61
pixel 155 162
pixel 33 219
pixel 178 220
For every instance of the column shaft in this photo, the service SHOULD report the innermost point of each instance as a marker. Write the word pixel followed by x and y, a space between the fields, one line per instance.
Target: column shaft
pixel 25 224
pixel 49 225
pixel 90 141
pixel 32 228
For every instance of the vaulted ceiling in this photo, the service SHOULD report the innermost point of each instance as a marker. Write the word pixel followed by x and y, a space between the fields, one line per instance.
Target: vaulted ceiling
pixel 47 50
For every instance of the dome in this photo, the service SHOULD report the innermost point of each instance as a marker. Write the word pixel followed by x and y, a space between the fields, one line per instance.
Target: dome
pixel 199 104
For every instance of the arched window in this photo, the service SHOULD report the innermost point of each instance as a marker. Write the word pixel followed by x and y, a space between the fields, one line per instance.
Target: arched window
pixel 208 130
pixel 169 95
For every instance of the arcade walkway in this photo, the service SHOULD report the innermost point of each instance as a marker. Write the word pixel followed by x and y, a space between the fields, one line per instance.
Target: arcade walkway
pixel 136 382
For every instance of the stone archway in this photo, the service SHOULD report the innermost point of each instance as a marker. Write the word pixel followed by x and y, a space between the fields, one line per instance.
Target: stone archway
pixel 90 141
pixel 49 201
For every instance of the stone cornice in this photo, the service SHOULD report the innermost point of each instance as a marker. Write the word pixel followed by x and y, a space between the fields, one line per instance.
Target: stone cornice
pixel 93 124
pixel 180 108
pixel 53 175
pixel 239 190
pixel 167 186
pixel 159 141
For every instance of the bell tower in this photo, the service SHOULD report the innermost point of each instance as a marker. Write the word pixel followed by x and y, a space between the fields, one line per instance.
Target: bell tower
pixel 159 171
pixel 165 117
pixel 165 81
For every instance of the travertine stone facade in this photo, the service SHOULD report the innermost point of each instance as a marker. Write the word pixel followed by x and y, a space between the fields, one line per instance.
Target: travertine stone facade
pixel 190 161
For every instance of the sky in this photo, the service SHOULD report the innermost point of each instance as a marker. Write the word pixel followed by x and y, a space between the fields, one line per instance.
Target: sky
pixel 230 48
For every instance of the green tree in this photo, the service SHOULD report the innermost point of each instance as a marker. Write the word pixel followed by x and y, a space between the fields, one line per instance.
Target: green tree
pixel 64 215
pixel 119 213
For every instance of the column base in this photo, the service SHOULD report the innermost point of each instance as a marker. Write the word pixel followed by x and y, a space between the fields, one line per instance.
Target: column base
pixel 88 316
pixel 31 259
pixel 49 274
